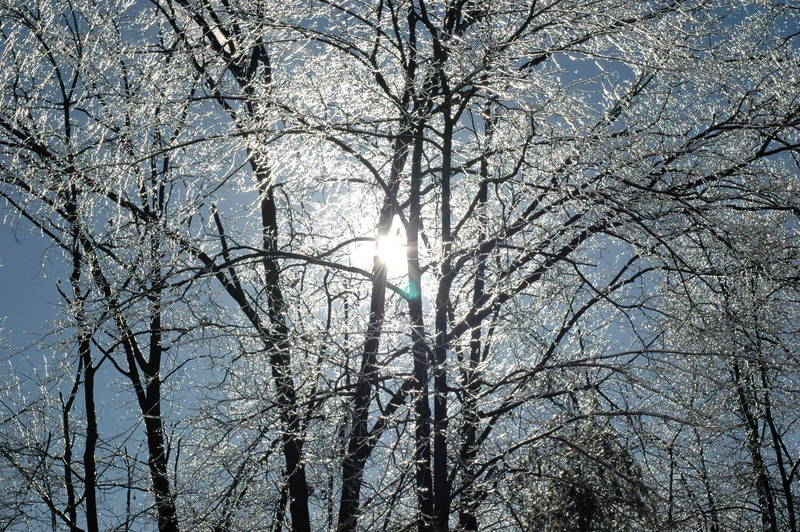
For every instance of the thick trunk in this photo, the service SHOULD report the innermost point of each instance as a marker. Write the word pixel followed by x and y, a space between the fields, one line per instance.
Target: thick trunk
pixel 277 346
pixel 146 381
pixel 87 369
pixel 777 446
pixel 89 466
pixel 469 499
pixel 422 409
pixel 71 210
pixel 712 506
pixel 766 500
pixel 357 447
pixel 441 486
pixel 467 519
pixel 248 70
pixel 157 457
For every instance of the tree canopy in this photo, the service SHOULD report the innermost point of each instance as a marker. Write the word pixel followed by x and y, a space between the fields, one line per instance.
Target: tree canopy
pixel 405 264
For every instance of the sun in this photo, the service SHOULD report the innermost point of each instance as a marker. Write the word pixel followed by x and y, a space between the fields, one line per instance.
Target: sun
pixel 389 249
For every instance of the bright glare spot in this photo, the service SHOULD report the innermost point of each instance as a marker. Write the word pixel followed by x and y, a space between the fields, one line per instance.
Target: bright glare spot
pixel 389 249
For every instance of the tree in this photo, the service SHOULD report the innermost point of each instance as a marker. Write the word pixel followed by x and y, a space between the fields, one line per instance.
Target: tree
pixel 589 481
pixel 743 308
pixel 527 174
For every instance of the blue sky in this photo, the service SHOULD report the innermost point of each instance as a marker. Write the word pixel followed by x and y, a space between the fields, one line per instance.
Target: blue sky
pixel 27 282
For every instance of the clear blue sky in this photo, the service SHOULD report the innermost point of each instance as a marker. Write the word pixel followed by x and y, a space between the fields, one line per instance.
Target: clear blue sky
pixel 28 274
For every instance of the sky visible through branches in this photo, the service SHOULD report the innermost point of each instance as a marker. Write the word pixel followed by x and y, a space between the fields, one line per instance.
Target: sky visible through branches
pixel 399 265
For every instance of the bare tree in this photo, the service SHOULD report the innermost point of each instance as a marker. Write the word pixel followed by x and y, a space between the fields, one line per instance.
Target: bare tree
pixel 355 264
pixel 741 308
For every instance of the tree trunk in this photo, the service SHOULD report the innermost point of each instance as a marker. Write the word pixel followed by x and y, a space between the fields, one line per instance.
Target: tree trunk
pixel 766 500
pixel 357 447
pixel 467 520
pixel 441 485
pixel 89 466
pixel 422 409
pixel 157 457
pixel 277 346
